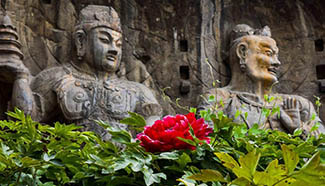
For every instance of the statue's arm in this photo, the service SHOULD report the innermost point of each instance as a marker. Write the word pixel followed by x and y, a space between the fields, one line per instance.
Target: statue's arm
pixel 22 96
pixel 36 96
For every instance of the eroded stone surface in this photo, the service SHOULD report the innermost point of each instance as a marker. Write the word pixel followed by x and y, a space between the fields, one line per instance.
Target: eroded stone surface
pixel 153 31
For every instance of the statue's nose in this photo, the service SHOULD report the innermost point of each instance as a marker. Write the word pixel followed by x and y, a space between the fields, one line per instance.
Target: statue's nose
pixel 112 52
pixel 276 62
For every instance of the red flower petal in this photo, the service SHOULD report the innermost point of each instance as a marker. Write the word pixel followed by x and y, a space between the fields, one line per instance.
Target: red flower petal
pixel 163 134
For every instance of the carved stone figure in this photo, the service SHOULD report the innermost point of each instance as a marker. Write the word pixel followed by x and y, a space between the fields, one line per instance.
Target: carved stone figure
pixel 88 88
pixel 254 64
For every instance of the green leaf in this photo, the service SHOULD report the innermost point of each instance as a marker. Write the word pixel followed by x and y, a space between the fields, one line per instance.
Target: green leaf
pixel 46 157
pixel 227 160
pixel 17 114
pixel 212 98
pixel 238 112
pixel 120 136
pixel 291 158
pixel 206 114
pixel 313 172
pixel 248 164
pixel 135 120
pixel 5 150
pixel 47 184
pixel 188 141
pixel 266 112
pixel 186 183
pixel 98 161
pixel 297 132
pixel 313 117
pixel 30 162
pixel 79 175
pixel 193 110
pixel 183 160
pixel 150 177
pixel 136 166
pixel 276 110
pixel 246 115
pixel 118 165
pixel 169 155
pixel 240 182
pixel 275 169
pixel 255 130
pixel 207 175
pixel 272 174
pixel 315 127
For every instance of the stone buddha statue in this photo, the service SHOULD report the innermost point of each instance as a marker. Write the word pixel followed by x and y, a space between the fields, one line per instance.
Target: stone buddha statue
pixel 88 88
pixel 254 63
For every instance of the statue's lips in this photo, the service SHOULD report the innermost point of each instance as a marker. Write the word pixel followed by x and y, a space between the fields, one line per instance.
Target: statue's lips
pixel 110 57
pixel 273 70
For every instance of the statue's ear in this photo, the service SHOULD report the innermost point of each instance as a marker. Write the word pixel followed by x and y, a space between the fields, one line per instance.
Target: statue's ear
pixel 80 42
pixel 242 49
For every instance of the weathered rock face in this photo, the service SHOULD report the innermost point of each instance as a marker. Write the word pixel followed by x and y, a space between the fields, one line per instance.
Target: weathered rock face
pixel 178 44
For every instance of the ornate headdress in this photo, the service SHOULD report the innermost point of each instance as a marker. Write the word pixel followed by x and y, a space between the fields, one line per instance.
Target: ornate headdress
pixel 241 30
pixel 93 16
pixel 9 42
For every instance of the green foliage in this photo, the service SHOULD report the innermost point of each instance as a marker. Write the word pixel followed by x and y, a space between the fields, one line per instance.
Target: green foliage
pixel 37 154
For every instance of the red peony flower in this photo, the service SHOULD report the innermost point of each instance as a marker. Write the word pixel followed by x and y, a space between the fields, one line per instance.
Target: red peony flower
pixel 162 135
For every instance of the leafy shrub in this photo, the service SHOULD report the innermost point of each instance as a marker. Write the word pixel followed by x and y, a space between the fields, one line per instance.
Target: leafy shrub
pixel 37 154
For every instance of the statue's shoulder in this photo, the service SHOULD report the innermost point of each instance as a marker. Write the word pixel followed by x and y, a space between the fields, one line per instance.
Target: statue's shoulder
pixel 51 73
pixel 135 86
pixel 219 93
pixel 48 77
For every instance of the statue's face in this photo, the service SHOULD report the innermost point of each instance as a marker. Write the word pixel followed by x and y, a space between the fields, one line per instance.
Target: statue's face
pixel 104 49
pixel 262 59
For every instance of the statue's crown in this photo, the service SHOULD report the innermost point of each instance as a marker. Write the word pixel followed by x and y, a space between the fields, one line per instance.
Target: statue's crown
pixel 241 30
pixel 93 16
pixel 9 42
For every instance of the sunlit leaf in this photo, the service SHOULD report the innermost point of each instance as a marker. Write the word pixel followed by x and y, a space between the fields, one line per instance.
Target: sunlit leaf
pixel 186 183
pixel 227 160
pixel 290 157
pixel 208 175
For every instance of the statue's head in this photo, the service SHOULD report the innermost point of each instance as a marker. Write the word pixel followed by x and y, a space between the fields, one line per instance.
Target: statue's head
pixel 98 38
pixel 255 54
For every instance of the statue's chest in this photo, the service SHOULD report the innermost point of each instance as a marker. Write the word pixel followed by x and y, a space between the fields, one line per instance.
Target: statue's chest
pixel 88 99
pixel 247 114
pixel 246 111
pixel 114 99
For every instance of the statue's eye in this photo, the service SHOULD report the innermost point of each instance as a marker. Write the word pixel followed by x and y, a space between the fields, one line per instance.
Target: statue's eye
pixel 269 53
pixel 104 40
pixel 118 43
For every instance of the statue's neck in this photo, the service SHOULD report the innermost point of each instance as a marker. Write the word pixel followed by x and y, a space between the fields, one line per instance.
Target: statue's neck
pixel 244 83
pixel 97 74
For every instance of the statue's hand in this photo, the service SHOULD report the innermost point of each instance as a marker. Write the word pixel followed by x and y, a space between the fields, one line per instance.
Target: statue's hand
pixel 13 70
pixel 290 115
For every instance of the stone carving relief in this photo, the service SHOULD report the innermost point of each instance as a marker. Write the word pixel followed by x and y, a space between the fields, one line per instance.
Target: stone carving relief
pixel 87 88
pixel 253 58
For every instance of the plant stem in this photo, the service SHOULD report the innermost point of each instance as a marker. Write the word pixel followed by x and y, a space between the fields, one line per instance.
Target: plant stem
pixel 18 177
pixel 281 180
pixel 34 176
